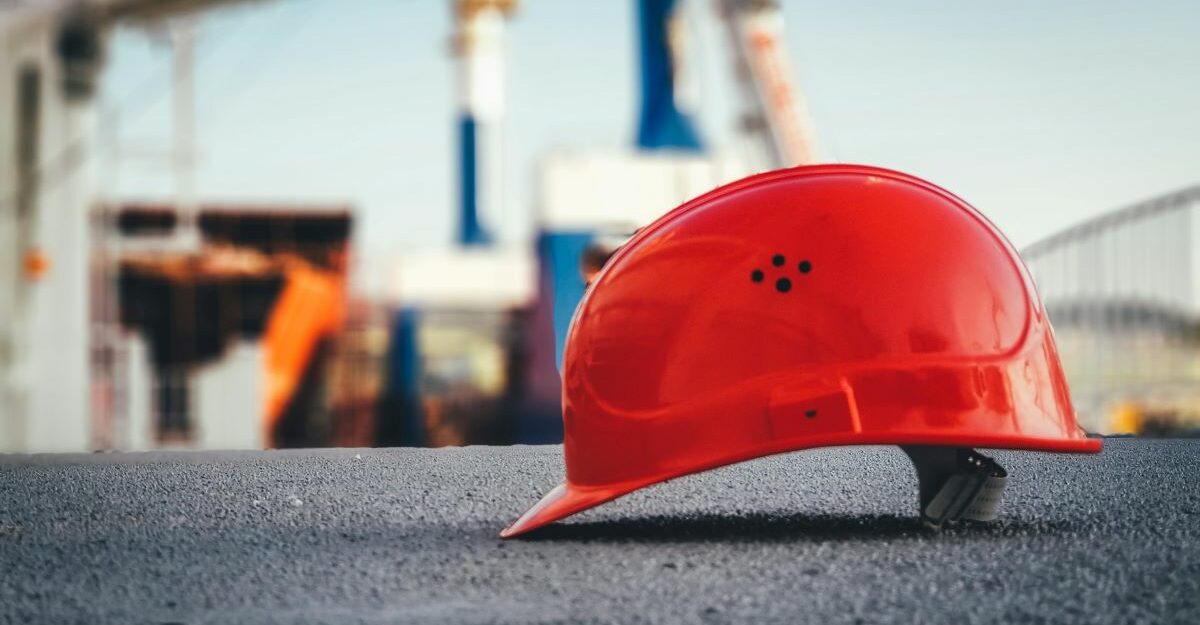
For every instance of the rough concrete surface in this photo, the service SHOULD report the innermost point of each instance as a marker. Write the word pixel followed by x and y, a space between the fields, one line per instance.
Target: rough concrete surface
pixel 410 536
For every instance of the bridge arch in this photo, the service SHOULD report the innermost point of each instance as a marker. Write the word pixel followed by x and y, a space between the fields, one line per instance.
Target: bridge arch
pixel 1122 295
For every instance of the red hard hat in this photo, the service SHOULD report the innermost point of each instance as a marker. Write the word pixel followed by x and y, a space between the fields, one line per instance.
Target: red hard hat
pixel 809 307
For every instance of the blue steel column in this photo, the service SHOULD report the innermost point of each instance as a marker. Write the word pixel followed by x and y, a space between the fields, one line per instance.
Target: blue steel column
pixel 661 125
pixel 470 230
pixel 479 46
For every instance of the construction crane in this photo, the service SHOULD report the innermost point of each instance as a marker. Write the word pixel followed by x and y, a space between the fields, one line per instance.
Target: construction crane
pixel 774 109
pixel 591 202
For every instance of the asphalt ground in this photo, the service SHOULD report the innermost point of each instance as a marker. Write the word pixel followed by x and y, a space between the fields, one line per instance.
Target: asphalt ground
pixel 410 536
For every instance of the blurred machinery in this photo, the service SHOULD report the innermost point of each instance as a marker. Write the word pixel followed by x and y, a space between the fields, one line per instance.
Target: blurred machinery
pixel 236 314
pixel 448 344
pixel 456 368
pixel 252 313
pixel 459 366
pixel 231 308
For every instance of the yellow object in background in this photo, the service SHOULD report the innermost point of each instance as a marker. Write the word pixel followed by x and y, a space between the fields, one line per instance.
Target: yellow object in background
pixel 1126 418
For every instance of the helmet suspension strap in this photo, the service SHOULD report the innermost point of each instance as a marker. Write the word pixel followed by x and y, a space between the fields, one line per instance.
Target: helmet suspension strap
pixel 956 483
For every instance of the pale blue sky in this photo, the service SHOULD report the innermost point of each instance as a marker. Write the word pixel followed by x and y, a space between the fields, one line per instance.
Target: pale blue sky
pixel 1039 113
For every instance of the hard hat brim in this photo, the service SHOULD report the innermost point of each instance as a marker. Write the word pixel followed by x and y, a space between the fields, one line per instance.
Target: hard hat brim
pixel 562 501
pixel 567 499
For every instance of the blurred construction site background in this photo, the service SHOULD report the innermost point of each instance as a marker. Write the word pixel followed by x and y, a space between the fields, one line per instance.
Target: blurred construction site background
pixel 276 223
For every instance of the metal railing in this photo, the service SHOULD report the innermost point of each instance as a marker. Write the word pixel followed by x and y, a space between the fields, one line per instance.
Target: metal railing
pixel 1120 290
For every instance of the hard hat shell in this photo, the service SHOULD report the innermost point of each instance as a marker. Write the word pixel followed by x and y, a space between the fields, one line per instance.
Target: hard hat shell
pixel 807 307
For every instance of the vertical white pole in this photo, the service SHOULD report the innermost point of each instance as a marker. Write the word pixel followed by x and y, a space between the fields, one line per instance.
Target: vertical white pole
pixel 59 415
pixel 183 44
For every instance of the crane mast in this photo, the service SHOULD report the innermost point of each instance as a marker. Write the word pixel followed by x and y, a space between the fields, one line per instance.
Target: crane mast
pixel 775 110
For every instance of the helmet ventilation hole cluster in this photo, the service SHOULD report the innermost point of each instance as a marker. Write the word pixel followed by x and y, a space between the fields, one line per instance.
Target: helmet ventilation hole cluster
pixel 783 284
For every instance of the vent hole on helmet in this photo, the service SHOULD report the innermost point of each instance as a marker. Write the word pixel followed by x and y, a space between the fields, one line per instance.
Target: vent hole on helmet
pixel 778 260
pixel 805 266
pixel 783 285
pixel 756 275
pixel 810 414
